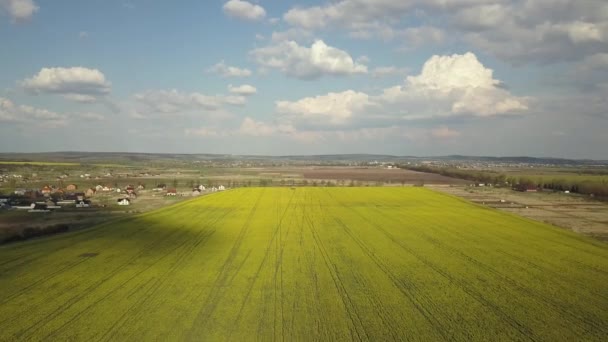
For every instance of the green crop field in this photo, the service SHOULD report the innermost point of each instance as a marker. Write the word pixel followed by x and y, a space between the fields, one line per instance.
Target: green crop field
pixel 309 264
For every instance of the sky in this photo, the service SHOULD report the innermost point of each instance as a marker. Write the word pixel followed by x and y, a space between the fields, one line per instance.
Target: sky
pixel 275 77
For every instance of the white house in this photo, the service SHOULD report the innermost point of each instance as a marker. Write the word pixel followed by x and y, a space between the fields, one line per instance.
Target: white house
pixel 221 188
pixel 123 201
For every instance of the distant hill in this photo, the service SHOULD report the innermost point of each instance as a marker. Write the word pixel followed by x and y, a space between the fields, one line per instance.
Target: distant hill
pixel 128 157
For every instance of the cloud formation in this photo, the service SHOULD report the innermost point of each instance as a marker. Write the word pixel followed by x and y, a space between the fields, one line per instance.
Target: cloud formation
pixel 13 113
pixel 229 71
pixel 243 90
pixel 540 31
pixel 77 83
pixel 175 101
pixel 307 62
pixel 447 86
pixel 19 10
pixel 244 10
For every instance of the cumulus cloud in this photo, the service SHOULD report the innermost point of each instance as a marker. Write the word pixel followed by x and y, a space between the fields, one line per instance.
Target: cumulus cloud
pixel 243 90
pixel 244 10
pixel 451 85
pixel 540 31
pixel 332 109
pixel 11 112
pixel 307 63
pixel 76 84
pixel 447 86
pixel 174 101
pixel 19 10
pixel 229 71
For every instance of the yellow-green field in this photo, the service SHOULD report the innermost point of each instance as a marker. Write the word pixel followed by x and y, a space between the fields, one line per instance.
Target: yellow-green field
pixel 309 264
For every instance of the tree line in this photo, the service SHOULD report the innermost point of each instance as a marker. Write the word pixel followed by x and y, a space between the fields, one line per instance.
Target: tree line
pixel 576 185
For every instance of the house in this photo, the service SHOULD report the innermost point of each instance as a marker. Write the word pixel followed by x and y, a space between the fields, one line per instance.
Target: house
pixel 160 187
pixel 71 187
pixel 195 192
pixel 130 189
pixel 99 187
pixel 90 192
pixel 171 192
pixel 221 188
pixel 123 201
pixel 201 187
pixel 141 187
pixel 46 190
pixel 106 188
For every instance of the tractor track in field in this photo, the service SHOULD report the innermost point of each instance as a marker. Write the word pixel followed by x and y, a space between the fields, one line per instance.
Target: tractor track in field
pixel 203 235
pixel 69 303
pixel 239 315
pixel 531 293
pixel 218 289
pixel 399 284
pixel 112 273
pixel 201 238
pixel 463 285
pixel 351 311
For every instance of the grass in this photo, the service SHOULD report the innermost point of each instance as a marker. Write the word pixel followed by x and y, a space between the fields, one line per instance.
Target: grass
pixel 309 264
pixel 3 162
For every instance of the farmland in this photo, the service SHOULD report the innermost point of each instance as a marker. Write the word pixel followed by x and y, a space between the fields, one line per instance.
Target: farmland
pixel 309 264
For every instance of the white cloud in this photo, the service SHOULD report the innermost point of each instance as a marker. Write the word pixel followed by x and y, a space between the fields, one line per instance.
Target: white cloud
pixel 229 71
pixel 82 98
pixel 330 109
pixel 294 33
pixel 307 63
pixel 174 101
pixel 244 90
pixel 447 86
pixel 19 10
pixel 452 85
pixel 10 112
pixel 244 10
pixel 539 31
pixel 76 83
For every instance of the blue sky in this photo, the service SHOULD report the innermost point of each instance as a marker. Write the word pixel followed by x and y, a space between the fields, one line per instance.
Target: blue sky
pixel 405 77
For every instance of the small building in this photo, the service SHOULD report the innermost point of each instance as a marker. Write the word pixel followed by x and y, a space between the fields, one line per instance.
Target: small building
pixel 130 189
pixel 71 187
pixel 141 187
pixel 46 190
pixel 196 192
pixel 160 187
pixel 99 187
pixel 221 188
pixel 90 192
pixel 83 204
pixel 123 201
pixel 171 192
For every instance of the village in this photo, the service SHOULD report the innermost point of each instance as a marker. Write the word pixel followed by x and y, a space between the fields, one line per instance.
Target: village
pixel 51 197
